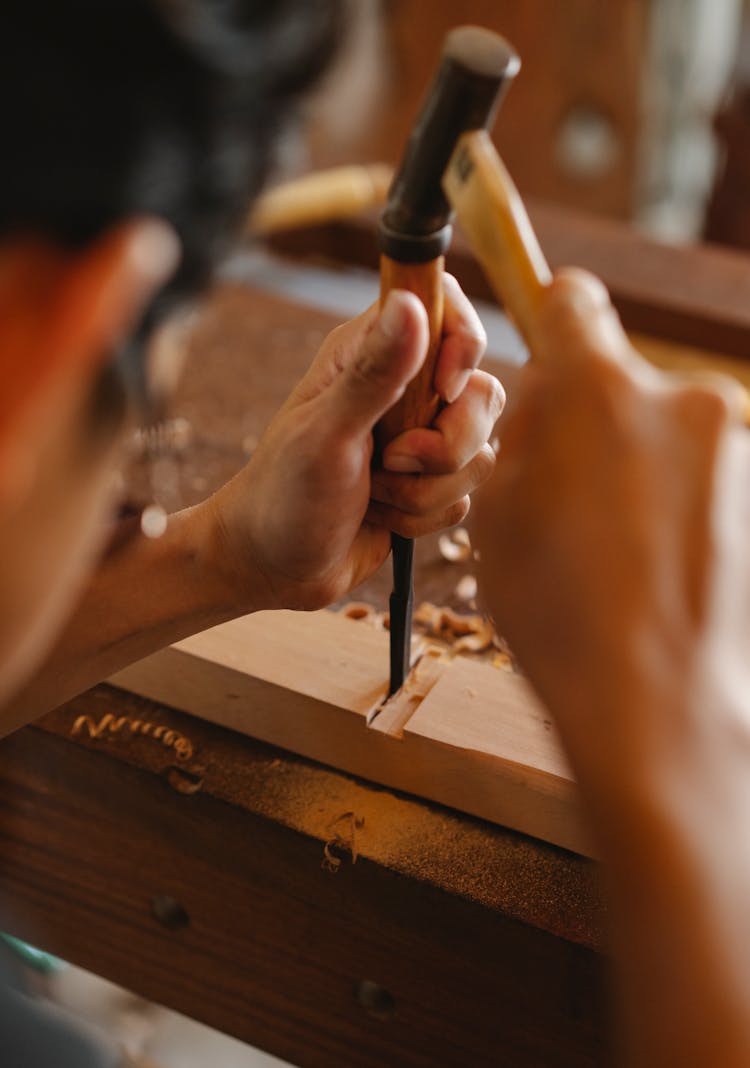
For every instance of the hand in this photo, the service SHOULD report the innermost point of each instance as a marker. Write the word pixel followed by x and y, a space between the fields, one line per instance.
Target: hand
pixel 306 520
pixel 613 540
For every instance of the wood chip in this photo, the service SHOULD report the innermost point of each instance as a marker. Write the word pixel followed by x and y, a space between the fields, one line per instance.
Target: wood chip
pixel 363 612
pixel 455 545
pixel 502 661
pixel 476 642
pixel 466 588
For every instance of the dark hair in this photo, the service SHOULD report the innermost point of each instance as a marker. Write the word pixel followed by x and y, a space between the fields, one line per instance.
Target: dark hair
pixel 112 108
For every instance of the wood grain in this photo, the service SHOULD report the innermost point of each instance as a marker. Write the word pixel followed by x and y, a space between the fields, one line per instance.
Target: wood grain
pixel 273 948
pixel 479 741
pixel 420 403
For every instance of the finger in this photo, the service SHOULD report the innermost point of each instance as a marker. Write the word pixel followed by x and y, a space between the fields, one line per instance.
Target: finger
pixel 713 384
pixel 578 322
pixel 416 526
pixel 464 342
pixel 422 494
pixel 389 356
pixel 455 437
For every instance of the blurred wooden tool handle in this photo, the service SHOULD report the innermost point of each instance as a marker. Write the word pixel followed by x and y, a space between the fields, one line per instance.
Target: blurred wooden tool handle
pixel 499 231
pixel 494 219
pixel 320 197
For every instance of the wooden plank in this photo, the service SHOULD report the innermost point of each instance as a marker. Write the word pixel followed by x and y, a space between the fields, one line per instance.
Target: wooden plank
pixel 698 295
pixel 478 741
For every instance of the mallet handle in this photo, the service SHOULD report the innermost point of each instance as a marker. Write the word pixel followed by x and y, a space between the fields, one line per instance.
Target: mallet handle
pixel 497 226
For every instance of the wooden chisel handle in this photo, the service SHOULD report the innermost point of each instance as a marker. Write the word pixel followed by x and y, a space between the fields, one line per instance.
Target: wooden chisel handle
pixel 420 403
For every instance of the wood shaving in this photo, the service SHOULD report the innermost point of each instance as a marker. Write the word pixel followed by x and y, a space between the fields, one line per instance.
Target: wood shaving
pixel 184 781
pixel 343 840
pixel 446 624
pixel 502 661
pixel 110 725
pixel 455 545
pixel 460 632
pixel 477 642
pixel 466 588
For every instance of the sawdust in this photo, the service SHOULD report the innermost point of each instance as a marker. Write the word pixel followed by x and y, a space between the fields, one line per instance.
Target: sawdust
pixel 528 880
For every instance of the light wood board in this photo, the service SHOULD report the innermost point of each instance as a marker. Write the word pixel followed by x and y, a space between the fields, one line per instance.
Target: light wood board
pixel 478 741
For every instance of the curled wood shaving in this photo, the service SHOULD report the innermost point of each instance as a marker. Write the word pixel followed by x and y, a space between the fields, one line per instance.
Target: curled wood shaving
pixel 110 725
pixel 477 642
pixel 343 840
pixel 446 624
pixel 455 545
pixel 184 780
pixel 461 632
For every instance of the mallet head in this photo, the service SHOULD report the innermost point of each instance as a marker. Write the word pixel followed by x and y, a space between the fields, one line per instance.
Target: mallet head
pixel 476 66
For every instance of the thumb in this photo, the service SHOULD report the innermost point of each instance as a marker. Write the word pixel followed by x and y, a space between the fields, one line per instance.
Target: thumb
pixel 389 356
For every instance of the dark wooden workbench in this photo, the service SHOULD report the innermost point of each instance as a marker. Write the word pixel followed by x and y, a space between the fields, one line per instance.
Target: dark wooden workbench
pixel 436 939
pixel 323 919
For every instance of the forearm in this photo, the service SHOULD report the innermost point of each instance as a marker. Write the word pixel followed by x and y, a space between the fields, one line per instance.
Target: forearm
pixel 147 594
pixel 676 856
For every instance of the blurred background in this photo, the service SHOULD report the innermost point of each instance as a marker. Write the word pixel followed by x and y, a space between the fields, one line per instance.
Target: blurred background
pixel 633 109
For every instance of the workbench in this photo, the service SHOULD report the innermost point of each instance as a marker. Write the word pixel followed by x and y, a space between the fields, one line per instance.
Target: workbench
pixel 324 919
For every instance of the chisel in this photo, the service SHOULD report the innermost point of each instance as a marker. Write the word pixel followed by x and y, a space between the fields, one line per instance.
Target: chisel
pixel 414 232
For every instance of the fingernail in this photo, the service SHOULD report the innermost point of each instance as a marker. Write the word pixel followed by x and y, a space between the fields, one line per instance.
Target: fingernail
pixel 394 317
pixel 457 383
pixel 402 464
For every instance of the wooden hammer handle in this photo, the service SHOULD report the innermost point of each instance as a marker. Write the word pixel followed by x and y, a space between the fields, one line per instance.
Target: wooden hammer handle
pixel 494 219
pixel 420 403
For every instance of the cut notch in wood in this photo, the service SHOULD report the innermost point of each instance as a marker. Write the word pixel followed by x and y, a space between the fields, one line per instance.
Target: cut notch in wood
pixel 392 717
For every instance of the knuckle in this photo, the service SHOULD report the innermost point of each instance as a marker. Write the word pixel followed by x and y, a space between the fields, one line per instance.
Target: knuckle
pixel 367 372
pixel 416 496
pixel 474 343
pixel 457 512
pixel 454 460
pixel 407 526
pixel 494 396
pixel 713 404
pixel 576 289
pixel 483 464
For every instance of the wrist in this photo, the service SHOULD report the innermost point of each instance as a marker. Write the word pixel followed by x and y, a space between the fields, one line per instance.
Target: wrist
pixel 238 584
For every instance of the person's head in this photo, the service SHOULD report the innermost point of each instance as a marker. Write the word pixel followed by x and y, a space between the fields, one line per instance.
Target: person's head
pixel 134 135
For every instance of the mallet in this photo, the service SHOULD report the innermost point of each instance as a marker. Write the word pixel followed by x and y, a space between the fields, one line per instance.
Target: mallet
pixel 414 233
